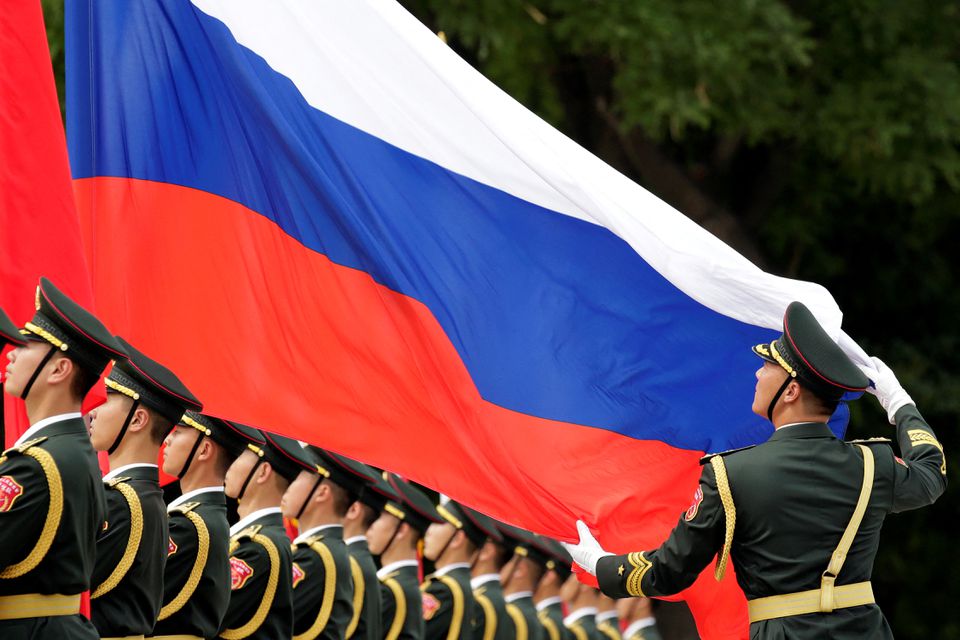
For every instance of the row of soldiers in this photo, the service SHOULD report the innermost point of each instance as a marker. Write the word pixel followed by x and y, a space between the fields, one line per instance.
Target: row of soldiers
pixel 182 571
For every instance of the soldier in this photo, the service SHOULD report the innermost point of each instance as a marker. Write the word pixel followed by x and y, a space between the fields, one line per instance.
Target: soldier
pixel 323 586
pixel 547 595
pixel 581 602
pixel 519 578
pixel 144 401
pixel 261 592
pixel 805 572
pixel 367 619
pixel 197 575
pixel 452 545
pixel 637 613
pixel 9 335
pixel 51 496
pixel 607 622
pixel 491 609
pixel 395 536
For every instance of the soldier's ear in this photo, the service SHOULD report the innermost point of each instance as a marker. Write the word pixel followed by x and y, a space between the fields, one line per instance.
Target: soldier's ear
pixel 792 393
pixel 60 370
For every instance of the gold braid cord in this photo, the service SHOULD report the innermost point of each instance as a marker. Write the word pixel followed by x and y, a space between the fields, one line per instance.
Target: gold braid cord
pixel 54 513
pixel 729 511
pixel 640 566
pixel 519 622
pixel 553 633
pixel 578 632
pixel 489 616
pixel 133 541
pixel 607 629
pixel 401 614
pixel 272 580
pixel 329 587
pixel 457 620
pixel 196 572
pixel 359 586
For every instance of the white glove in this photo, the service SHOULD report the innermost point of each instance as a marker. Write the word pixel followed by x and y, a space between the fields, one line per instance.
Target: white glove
pixel 888 390
pixel 588 551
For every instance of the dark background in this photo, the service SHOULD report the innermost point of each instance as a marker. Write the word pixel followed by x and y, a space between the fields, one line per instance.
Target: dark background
pixel 821 139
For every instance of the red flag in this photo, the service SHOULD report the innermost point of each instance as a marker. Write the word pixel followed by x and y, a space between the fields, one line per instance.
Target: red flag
pixel 40 230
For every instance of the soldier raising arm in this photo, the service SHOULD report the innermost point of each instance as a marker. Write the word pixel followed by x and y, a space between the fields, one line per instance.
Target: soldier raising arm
pixel 800 514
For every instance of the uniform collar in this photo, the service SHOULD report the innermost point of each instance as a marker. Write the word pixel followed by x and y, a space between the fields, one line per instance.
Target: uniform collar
pixel 31 433
pixel 393 566
pixel 606 615
pixel 802 430
pixel 119 471
pixel 479 581
pixel 245 522
pixel 548 602
pixel 635 626
pixel 582 612
pixel 513 597
pixel 309 533
pixel 190 495
pixel 355 539
pixel 444 570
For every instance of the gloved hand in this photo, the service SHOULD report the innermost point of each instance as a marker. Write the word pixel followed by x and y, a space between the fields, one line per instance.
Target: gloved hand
pixel 888 390
pixel 588 551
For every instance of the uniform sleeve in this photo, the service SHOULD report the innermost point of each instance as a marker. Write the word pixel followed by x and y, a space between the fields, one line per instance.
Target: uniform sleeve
pixel 484 622
pixel 437 610
pixel 443 610
pixel 395 607
pixel 677 562
pixel 112 540
pixel 24 500
pixel 921 477
pixel 249 572
pixel 310 597
pixel 182 548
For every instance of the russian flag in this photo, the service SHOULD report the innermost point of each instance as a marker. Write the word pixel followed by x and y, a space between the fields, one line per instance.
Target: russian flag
pixel 333 227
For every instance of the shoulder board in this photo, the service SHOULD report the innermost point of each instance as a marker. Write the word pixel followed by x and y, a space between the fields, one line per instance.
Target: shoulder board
pixel 26 445
pixel 871 441
pixel 112 482
pixel 705 459
pixel 185 508
pixel 249 532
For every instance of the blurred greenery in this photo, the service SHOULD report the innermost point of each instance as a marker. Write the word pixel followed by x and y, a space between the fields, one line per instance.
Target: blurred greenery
pixel 821 139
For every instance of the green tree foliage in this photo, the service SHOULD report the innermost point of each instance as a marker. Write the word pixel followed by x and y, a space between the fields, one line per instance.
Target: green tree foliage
pixel 821 139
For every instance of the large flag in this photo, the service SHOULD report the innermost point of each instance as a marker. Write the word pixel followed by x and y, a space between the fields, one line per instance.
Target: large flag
pixel 331 226
pixel 39 234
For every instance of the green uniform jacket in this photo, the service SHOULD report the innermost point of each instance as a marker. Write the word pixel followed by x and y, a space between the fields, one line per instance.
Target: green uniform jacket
pixel 448 604
pixel 196 588
pixel 75 519
pixel 490 612
pixel 322 585
pixel 794 496
pixel 261 594
pixel 522 621
pixel 367 588
pixel 402 604
pixel 550 616
pixel 609 627
pixel 127 577
pixel 583 627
